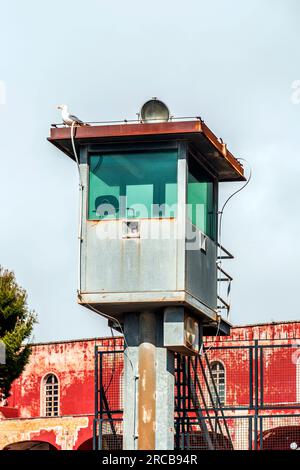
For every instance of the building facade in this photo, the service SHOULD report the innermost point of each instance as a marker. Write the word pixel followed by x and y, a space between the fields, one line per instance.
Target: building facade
pixel 256 373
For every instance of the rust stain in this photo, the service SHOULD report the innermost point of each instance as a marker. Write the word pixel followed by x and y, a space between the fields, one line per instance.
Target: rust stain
pixel 147 382
pixel 146 401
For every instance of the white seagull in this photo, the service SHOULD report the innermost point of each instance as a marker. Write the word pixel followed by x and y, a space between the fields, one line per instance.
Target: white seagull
pixel 68 118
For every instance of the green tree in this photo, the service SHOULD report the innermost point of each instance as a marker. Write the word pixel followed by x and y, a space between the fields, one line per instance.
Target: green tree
pixel 16 324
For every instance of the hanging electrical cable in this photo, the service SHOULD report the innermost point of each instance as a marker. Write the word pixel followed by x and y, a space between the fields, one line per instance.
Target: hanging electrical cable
pixel 219 255
pixel 115 320
pixel 221 213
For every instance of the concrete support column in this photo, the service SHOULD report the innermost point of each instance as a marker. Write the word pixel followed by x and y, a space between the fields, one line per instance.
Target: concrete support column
pixel 165 388
pixel 148 384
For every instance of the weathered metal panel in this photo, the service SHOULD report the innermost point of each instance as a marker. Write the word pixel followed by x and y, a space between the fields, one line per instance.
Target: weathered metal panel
pixel 129 265
pixel 201 270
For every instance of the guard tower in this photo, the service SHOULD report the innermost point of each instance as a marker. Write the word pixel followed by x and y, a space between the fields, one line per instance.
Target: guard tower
pixel 149 249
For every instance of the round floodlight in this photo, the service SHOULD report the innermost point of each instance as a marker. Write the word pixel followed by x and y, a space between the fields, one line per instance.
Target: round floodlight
pixel 154 111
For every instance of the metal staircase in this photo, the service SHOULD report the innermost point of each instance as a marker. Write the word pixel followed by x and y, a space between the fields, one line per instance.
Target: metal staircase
pixel 199 421
pixel 199 417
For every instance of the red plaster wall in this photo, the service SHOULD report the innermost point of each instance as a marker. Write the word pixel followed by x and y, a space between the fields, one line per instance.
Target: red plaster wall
pixel 73 363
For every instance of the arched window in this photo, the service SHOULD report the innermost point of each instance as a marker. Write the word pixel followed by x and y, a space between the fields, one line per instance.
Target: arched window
pixel 51 395
pixel 218 374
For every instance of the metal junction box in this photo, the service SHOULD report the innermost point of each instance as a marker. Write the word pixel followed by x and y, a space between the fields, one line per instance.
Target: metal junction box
pixel 149 216
pixel 182 332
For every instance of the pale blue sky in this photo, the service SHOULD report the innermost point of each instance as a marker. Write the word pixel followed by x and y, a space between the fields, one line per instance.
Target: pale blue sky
pixel 231 62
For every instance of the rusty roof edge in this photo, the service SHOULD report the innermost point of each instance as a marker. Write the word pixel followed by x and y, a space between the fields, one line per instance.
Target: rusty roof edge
pixel 121 130
pixel 125 130
pixel 222 149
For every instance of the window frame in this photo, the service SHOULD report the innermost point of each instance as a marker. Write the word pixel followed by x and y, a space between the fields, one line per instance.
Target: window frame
pixel 93 150
pixel 211 178
pixel 221 363
pixel 55 397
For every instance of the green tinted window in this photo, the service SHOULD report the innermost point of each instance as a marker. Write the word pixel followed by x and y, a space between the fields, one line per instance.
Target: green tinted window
pixel 200 199
pixel 133 185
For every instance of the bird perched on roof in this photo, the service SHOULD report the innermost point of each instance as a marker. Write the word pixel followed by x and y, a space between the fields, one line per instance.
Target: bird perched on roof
pixel 68 118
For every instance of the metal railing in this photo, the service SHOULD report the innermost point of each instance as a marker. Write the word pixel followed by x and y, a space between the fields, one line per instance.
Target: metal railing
pixel 259 407
pixel 223 279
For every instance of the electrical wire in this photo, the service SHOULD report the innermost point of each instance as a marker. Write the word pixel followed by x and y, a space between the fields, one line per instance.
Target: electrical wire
pixel 81 188
pixel 220 246
pixel 221 213
pixel 236 192
pixel 75 152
